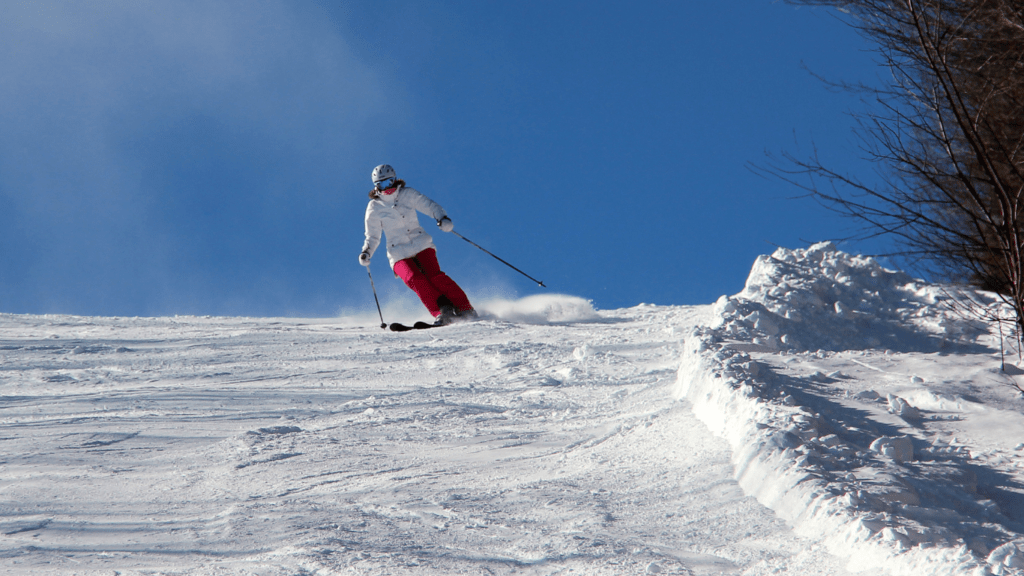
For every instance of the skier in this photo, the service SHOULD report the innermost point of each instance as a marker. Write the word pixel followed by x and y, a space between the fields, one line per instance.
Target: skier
pixel 392 210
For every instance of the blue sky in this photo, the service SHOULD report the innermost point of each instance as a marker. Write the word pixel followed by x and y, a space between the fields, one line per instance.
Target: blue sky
pixel 213 157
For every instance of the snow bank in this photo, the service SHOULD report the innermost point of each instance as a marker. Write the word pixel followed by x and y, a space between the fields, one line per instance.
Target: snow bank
pixel 821 298
pixel 867 498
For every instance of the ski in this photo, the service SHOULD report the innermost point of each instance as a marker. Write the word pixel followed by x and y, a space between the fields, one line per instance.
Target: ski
pixel 397 327
pixel 465 317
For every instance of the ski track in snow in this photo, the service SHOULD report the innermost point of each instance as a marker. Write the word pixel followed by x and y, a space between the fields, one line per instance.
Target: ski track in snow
pixel 832 416
pixel 278 446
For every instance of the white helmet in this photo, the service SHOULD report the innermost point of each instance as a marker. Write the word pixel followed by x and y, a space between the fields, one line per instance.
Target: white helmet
pixel 382 172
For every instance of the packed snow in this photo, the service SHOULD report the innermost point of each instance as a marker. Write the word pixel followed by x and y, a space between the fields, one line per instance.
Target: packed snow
pixel 834 417
pixel 869 410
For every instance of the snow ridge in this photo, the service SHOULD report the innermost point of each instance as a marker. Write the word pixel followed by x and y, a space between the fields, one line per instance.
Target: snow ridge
pixel 858 486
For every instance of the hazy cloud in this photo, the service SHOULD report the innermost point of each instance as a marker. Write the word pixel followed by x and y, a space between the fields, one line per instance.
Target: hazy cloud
pixel 150 147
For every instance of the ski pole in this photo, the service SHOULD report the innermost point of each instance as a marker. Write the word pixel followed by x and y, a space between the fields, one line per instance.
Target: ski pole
pixel 500 260
pixel 383 324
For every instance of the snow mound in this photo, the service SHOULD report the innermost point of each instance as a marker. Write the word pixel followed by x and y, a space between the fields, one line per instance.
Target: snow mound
pixel 823 299
pixel 865 496
pixel 540 309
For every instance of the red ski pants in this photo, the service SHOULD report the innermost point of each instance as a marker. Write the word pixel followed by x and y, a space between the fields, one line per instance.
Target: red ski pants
pixel 423 274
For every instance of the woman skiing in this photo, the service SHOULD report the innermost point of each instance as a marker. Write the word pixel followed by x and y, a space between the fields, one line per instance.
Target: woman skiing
pixel 392 210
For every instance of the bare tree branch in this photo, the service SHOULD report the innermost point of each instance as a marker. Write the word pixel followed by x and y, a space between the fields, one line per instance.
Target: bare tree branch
pixel 947 133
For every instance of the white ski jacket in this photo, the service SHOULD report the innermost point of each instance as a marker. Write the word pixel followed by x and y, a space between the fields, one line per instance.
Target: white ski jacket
pixel 395 216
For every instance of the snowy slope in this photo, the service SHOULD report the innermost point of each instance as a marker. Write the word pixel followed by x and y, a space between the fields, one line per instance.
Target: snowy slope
pixel 867 410
pixel 833 416
pixel 541 440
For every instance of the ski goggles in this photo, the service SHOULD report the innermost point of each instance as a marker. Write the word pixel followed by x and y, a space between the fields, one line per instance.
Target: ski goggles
pixel 385 184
